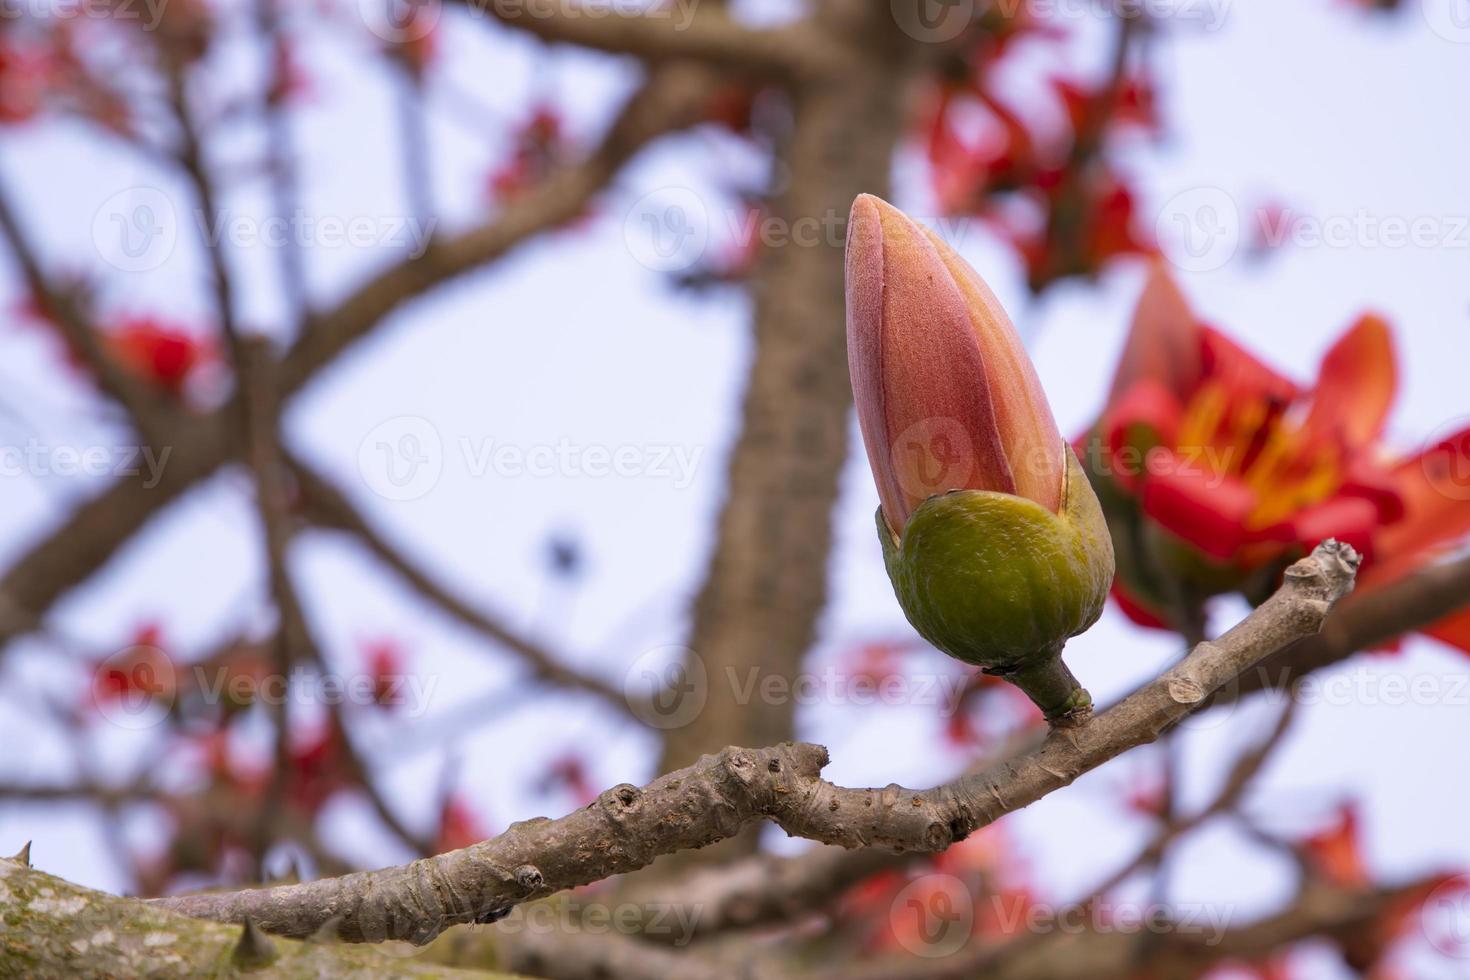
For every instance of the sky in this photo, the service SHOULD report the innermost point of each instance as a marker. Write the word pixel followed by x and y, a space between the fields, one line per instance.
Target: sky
pixel 521 384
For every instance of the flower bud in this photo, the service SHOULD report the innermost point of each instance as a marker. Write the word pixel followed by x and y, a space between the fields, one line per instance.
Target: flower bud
pixel 991 533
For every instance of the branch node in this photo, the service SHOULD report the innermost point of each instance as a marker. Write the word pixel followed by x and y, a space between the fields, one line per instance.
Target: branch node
pixel 529 877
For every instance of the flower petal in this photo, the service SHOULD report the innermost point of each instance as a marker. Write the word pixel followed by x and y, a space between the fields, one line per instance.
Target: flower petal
pixel 1163 343
pixel 1356 384
pixel 919 376
pixel 1146 416
pixel 1454 630
pixel 1435 489
pixel 1207 510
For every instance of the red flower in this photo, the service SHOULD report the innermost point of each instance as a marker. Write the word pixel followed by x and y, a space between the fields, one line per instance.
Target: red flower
pixel 25 76
pixel 384 661
pixel 459 826
pixel 1336 852
pixel 569 773
pixel 143 671
pixel 156 351
pixel 1216 471
pixel 537 144
pixel 317 767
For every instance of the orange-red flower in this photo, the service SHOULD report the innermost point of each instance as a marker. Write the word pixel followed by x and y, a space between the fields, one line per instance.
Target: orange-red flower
pixel 1216 471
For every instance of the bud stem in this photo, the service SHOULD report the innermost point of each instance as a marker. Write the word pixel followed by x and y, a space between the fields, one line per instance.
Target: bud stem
pixel 1055 691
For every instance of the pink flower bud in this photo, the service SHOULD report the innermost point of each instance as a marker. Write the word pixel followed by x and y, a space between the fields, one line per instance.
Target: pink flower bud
pixel 946 395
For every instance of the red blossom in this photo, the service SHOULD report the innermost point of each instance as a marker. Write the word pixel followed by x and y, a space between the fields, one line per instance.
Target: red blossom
pixel 568 773
pixel 384 662
pixel 157 351
pixel 459 826
pixel 537 144
pixel 1336 851
pixel 142 670
pixel 1236 470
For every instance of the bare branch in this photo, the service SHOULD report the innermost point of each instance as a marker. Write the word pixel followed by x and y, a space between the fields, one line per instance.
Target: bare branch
pixel 1366 619
pixel 626 828
pixel 676 31
pixel 150 415
pixel 328 507
pixel 55 928
pixel 674 97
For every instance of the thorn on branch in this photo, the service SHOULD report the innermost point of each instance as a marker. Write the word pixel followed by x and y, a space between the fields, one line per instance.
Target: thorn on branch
pixel 255 949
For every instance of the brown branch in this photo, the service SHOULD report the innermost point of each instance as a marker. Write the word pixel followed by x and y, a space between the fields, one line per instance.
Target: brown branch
pixel 148 412
pixel 53 928
pixel 327 506
pixel 672 99
pixel 1175 949
pixel 760 890
pixel 626 828
pixel 756 611
pixel 682 30
pixel 1365 620
pixel 575 954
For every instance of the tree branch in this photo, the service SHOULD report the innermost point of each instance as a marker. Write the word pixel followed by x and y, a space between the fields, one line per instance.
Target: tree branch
pixel 626 828
pixel 1367 619
pixel 50 927
pixel 674 97
pixel 328 507
pixel 683 30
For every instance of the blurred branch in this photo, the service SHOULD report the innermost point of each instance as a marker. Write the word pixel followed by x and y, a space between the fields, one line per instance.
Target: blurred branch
pixel 1168 948
pixel 149 414
pixel 765 585
pixel 326 506
pixel 281 157
pixel 1364 620
pixel 762 890
pixel 626 828
pixel 49 921
pixel 679 30
pixel 673 97
pixel 575 954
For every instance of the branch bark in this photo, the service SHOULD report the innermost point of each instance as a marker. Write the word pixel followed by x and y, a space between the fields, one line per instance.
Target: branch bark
pixel 1365 620
pixel 197 446
pixel 52 928
pixel 765 586
pixel 684 30
pixel 626 828
pixel 328 507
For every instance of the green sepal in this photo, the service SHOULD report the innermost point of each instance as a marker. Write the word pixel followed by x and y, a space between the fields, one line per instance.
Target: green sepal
pixel 999 581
